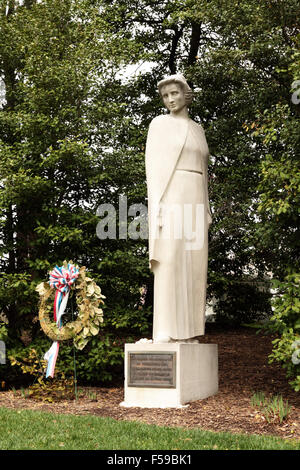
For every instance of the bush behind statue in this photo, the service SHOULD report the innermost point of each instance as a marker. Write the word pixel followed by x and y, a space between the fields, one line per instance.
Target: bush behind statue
pixel 241 302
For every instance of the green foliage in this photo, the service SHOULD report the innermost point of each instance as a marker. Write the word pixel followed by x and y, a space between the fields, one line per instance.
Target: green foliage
pixel 273 408
pixel 3 332
pixel 237 79
pixel 101 361
pixel 137 321
pixel 63 125
pixel 258 399
pixel 241 302
pixel 47 390
pixel 286 323
pixel 279 185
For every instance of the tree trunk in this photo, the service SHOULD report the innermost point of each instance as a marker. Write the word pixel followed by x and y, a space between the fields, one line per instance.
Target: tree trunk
pixel 175 40
pixel 194 43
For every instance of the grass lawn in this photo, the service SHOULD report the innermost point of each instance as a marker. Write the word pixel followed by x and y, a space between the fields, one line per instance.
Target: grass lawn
pixel 33 430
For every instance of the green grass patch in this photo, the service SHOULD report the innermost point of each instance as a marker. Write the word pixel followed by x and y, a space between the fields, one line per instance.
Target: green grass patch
pixel 34 430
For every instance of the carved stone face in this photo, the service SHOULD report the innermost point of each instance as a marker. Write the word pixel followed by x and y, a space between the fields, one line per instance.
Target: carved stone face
pixel 173 97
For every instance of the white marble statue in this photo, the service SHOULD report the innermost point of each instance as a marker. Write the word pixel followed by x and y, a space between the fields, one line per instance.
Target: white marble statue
pixel 179 216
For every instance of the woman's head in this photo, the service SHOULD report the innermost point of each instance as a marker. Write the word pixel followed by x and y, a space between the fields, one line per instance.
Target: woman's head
pixel 180 82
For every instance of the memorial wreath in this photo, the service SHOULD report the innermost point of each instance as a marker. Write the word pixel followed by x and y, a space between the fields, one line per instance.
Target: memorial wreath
pixel 69 280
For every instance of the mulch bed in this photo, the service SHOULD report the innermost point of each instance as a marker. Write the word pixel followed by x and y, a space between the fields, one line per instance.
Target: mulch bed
pixel 243 370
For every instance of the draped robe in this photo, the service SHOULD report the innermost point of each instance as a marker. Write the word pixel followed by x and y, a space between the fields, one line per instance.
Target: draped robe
pixel 179 273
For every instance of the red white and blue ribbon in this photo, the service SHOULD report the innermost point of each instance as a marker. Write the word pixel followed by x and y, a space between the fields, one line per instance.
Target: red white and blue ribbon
pixel 60 279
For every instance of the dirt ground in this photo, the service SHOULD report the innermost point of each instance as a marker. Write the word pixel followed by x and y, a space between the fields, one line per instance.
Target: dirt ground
pixel 243 370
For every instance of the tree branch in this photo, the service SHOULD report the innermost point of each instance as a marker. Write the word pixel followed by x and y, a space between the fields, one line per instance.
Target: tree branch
pixel 175 40
pixel 194 43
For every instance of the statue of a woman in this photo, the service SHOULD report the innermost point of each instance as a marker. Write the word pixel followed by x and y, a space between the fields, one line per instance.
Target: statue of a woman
pixel 179 216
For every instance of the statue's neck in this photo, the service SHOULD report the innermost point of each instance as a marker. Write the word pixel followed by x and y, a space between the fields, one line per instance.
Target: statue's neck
pixel 182 114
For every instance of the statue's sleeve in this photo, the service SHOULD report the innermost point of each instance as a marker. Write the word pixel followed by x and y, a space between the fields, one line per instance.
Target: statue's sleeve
pixel 151 153
pixel 153 162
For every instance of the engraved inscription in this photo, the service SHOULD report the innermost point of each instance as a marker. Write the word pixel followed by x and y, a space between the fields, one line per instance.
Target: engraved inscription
pixel 152 369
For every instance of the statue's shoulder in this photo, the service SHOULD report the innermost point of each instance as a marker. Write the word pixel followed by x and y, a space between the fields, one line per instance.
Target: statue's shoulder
pixel 197 125
pixel 159 124
pixel 162 118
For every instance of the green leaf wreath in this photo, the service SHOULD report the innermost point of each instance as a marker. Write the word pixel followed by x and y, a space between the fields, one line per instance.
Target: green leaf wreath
pixel 89 314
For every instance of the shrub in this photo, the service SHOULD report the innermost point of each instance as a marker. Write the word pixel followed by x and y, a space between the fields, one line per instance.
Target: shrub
pixel 286 323
pixel 58 388
pixel 241 302
pixel 101 361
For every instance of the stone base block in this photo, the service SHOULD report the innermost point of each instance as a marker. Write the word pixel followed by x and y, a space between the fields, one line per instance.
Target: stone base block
pixel 169 375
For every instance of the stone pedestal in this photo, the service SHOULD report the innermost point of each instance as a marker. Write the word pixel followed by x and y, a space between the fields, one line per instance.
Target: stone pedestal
pixel 169 374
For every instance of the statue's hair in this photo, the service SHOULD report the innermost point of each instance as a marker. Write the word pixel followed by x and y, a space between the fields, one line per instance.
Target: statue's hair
pixel 179 80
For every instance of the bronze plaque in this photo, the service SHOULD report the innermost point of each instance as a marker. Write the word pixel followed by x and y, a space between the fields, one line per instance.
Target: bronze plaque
pixel 152 369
